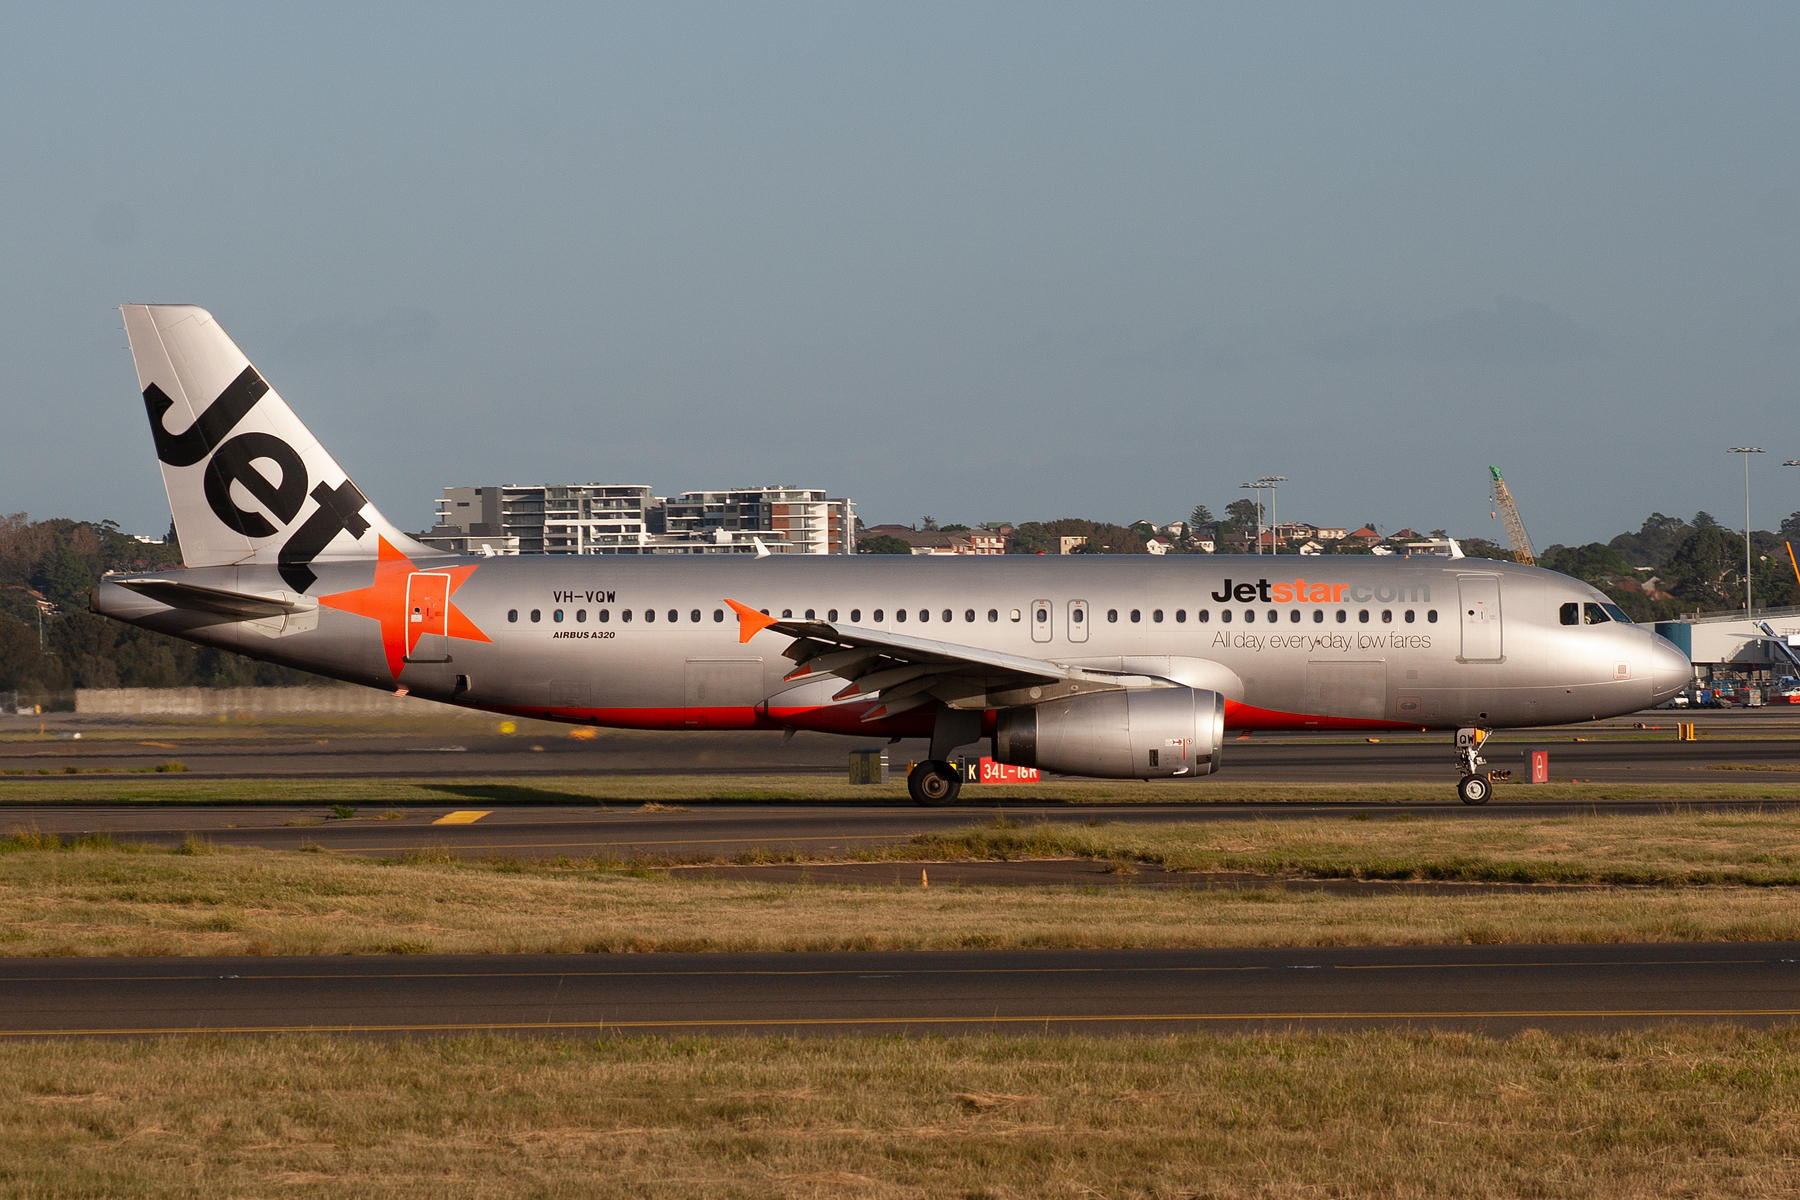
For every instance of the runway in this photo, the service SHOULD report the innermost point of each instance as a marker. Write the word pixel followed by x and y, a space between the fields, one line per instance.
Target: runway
pixel 1613 751
pixel 1492 989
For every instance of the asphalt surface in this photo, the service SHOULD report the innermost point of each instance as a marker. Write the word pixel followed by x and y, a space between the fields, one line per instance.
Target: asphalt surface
pixel 1493 989
pixel 1613 751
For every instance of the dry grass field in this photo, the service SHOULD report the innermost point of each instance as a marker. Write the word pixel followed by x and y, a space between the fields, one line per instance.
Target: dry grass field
pixel 1667 1112
pixel 1714 871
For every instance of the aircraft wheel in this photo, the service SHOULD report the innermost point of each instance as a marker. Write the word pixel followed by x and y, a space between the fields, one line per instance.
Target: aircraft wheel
pixel 1475 789
pixel 934 784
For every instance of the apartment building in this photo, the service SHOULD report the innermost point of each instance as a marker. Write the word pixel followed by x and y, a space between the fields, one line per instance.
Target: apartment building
pixel 595 518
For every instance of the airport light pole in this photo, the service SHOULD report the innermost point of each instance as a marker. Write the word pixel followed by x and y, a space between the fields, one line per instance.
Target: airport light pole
pixel 1792 462
pixel 1256 490
pixel 1269 481
pixel 1746 451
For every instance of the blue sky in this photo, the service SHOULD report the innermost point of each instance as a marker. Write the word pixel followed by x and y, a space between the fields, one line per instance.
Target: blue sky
pixel 984 262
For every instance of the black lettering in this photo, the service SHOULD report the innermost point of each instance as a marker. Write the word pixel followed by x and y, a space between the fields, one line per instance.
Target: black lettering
pixel 1224 596
pixel 232 464
pixel 188 447
pixel 609 597
pixel 1244 592
pixel 1262 587
pixel 338 512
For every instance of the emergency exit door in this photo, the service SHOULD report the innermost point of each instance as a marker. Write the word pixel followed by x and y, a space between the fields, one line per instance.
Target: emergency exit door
pixel 427 617
pixel 1040 620
pixel 1480 615
pixel 1078 620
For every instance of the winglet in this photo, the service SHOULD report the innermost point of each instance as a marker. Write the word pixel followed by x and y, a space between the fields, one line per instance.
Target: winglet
pixel 750 622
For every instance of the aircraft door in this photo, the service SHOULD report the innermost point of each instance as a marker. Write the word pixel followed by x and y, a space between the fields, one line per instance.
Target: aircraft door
pixel 1040 620
pixel 1479 613
pixel 1078 620
pixel 427 617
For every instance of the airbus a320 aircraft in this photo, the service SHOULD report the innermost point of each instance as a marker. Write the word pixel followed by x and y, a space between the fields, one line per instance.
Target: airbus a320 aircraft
pixel 1117 668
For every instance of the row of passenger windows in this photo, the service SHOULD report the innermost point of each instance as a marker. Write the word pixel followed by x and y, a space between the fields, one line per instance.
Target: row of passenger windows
pixel 1202 615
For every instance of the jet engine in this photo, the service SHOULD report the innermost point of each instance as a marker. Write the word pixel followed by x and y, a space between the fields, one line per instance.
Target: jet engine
pixel 1154 733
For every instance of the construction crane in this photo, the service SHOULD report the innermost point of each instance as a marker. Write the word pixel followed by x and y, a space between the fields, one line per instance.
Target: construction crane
pixel 1515 528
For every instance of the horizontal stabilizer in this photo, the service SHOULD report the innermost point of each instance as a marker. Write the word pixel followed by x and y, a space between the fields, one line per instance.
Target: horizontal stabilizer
pixel 245 606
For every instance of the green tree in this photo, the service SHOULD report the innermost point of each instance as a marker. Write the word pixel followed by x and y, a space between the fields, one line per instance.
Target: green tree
pixel 1589 562
pixel 1201 515
pixel 882 543
pixel 1708 568
pixel 1242 513
pixel 1031 538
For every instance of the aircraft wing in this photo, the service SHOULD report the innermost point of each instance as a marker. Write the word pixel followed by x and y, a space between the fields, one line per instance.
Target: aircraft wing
pixel 904 672
pixel 243 606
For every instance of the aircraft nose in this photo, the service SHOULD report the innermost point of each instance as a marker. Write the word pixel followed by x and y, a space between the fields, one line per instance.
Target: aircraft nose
pixel 1670 670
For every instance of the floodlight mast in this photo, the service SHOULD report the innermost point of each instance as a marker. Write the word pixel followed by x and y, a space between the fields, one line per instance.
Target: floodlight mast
pixel 1746 451
pixel 1269 481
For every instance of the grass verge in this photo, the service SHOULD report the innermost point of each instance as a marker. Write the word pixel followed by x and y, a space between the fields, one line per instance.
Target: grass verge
pixel 787 789
pixel 1672 1111
pixel 1676 849
pixel 97 898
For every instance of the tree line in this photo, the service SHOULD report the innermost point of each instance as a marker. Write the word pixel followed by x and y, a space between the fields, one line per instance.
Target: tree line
pixel 50 644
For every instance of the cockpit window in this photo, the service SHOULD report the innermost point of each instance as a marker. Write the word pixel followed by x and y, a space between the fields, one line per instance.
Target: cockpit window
pixel 1571 613
pixel 1594 614
pixel 1616 613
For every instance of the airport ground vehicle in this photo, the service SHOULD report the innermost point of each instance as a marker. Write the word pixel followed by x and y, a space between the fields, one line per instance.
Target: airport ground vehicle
pixel 1113 667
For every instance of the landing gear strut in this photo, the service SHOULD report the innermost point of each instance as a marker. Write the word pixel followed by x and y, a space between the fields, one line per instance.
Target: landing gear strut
pixel 1475 787
pixel 934 783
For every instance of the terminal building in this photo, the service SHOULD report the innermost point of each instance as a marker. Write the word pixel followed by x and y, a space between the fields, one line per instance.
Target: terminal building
pixel 1732 651
pixel 593 518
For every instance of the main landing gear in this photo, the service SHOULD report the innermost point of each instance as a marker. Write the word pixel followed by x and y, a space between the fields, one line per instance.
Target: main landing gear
pixel 934 783
pixel 1475 787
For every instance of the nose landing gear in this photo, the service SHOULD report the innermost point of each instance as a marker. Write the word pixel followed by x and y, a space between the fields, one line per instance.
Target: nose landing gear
pixel 1475 787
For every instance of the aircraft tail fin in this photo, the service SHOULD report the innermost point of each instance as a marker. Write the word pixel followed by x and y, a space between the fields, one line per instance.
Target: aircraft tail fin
pixel 247 482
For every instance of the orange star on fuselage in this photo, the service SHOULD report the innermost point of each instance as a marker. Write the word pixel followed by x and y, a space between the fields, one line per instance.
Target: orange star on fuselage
pixel 385 601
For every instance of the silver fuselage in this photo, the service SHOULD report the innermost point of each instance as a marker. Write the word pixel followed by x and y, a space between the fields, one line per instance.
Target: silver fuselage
pixel 1350 642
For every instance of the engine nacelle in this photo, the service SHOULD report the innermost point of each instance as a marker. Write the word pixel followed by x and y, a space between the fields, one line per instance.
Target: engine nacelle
pixel 1154 733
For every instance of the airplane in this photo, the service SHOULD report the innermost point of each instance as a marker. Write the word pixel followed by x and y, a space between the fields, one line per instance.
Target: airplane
pixel 1105 667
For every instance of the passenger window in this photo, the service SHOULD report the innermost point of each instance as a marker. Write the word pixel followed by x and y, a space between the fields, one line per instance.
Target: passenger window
pixel 1274 616
pixel 718 615
pixel 1250 614
pixel 604 616
pixel 1363 616
pixel 1136 616
pixel 512 614
pixel 1342 616
pixel 1157 616
pixel 786 613
pixel 1318 616
pixel 1571 613
pixel 674 616
pixel 1015 615
pixel 856 615
pixel 969 615
pixel 1112 615
pixel 1202 616
pixel 625 615
pixel 924 614
pixel 809 614
pixel 1225 615
pixel 993 614
pixel 649 614
pixel 950 616
pixel 1431 615
pixel 536 615
pixel 557 615
pixel 581 616
pixel 899 614
pixel 1181 616
pixel 831 614
pixel 1410 615
pixel 1595 614
pixel 1387 616
pixel 1294 617
pixel 694 616
pixel 878 616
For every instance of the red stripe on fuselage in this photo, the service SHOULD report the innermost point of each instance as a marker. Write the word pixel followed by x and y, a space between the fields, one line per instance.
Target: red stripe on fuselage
pixel 1248 716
